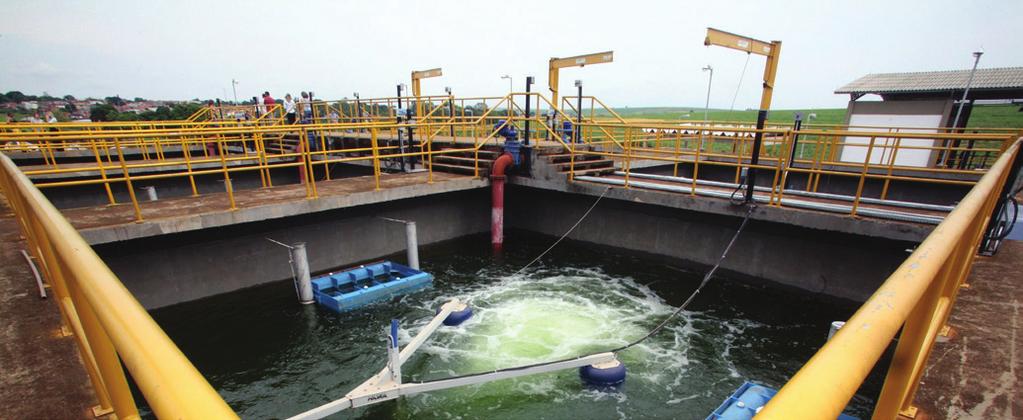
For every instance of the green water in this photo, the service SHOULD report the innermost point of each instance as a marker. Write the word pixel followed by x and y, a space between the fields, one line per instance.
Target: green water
pixel 270 357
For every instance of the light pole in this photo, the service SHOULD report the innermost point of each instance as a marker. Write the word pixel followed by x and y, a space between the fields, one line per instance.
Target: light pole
pixel 234 90
pixel 976 59
pixel 706 107
pixel 510 84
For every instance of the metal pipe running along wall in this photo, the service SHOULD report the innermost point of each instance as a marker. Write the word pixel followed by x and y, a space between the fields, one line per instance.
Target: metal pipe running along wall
pixel 497 178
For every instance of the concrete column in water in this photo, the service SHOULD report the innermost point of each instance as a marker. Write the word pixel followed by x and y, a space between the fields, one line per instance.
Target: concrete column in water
pixel 412 244
pixel 301 265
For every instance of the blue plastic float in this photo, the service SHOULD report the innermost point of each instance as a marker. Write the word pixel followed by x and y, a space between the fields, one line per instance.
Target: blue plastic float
pixel 366 284
pixel 747 401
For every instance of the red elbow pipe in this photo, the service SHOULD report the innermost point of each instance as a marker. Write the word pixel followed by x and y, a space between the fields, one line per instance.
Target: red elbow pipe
pixel 497 200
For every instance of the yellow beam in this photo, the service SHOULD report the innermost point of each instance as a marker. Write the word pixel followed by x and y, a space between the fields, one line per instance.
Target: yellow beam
pixel 736 42
pixel 576 61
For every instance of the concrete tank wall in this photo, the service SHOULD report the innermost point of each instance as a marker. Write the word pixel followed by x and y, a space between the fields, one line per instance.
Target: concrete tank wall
pixel 187 266
pixel 836 264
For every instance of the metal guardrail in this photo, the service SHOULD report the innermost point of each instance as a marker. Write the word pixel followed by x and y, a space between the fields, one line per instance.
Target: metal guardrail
pixel 813 154
pixel 917 298
pixel 109 325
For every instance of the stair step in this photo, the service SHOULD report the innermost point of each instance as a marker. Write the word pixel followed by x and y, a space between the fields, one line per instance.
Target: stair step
pixel 586 164
pixel 567 157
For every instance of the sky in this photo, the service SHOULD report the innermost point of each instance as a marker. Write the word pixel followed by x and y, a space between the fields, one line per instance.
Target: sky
pixel 189 49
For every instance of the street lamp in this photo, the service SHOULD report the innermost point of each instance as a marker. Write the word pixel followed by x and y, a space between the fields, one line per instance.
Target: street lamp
pixel 510 84
pixel 234 90
pixel 976 59
pixel 706 107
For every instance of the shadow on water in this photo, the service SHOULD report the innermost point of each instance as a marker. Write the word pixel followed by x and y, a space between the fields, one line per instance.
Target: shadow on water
pixel 270 357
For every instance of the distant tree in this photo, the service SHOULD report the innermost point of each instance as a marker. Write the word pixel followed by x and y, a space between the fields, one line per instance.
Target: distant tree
pixel 138 99
pixel 114 100
pixel 103 112
pixel 181 111
pixel 70 107
pixel 15 96
pixel 161 114
pixel 69 98
pixel 126 116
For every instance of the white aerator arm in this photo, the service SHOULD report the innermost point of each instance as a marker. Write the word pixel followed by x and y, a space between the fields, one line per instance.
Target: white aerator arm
pixel 386 385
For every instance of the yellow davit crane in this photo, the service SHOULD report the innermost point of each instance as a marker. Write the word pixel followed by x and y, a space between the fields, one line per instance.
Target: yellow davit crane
pixel 771 50
pixel 418 75
pixel 578 61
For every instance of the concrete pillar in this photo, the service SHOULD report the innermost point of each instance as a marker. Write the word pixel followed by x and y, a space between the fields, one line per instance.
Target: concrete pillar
pixel 412 244
pixel 151 193
pixel 301 265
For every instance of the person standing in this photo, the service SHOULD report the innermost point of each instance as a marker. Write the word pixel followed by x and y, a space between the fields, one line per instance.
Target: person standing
pixel 304 108
pixel 260 106
pixel 268 102
pixel 289 109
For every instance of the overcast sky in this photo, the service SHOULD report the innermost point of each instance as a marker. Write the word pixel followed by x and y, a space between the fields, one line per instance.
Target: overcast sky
pixel 185 49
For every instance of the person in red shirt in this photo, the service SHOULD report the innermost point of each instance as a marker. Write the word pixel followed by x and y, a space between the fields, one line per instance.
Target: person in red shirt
pixel 268 101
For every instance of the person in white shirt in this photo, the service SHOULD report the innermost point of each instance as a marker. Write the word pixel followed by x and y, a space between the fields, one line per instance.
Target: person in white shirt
pixel 289 108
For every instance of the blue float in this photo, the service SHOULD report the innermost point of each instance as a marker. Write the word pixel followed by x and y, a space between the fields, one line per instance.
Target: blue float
pixel 610 374
pixel 366 284
pixel 747 401
pixel 458 317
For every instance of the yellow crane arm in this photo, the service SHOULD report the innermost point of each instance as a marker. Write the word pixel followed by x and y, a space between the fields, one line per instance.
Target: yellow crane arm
pixel 752 46
pixel 423 74
pixel 577 61
pixel 737 42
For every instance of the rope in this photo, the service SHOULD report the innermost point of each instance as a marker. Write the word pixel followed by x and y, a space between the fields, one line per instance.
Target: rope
pixel 566 233
pixel 737 87
pixel 706 279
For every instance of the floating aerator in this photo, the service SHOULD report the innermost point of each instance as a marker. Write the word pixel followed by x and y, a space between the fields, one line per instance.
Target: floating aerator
pixel 458 316
pixel 607 374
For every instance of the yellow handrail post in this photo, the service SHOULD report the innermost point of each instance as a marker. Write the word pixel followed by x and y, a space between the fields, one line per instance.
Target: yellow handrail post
pixel 376 157
pixel 127 181
pixel 863 176
pixel 110 369
pixel 227 176
pixel 102 173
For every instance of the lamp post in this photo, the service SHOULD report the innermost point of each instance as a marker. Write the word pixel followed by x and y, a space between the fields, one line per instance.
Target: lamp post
pixel 706 107
pixel 976 59
pixel 510 84
pixel 234 90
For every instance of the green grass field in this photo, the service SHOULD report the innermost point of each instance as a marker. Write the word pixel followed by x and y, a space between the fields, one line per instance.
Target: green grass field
pixel 991 116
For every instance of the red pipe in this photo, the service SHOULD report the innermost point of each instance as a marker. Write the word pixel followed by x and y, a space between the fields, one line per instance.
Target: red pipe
pixel 497 197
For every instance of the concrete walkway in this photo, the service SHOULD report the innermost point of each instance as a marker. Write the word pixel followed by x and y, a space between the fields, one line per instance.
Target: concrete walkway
pixel 977 374
pixel 41 373
pixel 105 224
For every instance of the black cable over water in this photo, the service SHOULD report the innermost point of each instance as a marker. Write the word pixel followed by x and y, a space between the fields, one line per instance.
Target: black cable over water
pixel 706 279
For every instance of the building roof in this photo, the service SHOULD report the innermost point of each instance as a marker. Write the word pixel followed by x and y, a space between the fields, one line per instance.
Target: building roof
pixel 931 82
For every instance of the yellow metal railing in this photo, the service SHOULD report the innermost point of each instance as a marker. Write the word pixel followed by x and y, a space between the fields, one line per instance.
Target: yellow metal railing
pixel 813 154
pixel 917 298
pixel 109 325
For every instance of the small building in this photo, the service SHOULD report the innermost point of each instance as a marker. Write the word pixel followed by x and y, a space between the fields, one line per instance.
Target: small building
pixel 920 102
